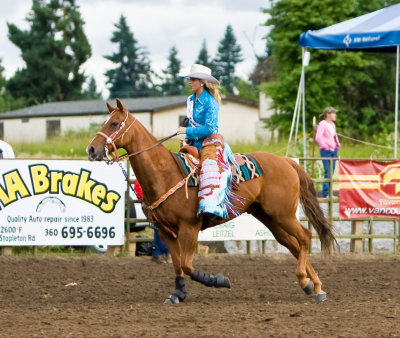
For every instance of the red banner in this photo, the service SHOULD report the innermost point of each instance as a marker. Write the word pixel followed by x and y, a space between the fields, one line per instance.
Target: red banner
pixel 369 189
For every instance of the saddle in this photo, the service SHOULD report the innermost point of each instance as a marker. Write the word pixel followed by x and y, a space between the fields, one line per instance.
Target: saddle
pixel 189 160
pixel 210 140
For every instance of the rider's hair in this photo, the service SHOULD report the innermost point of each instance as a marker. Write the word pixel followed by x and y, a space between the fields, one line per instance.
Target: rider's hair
pixel 213 90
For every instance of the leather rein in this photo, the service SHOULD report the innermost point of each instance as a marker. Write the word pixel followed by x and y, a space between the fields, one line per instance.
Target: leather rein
pixel 116 158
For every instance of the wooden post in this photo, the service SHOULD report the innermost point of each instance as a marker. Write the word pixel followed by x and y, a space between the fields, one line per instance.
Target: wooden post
pixel 370 231
pixel 113 250
pixel 6 251
pixel 356 244
pixel 132 245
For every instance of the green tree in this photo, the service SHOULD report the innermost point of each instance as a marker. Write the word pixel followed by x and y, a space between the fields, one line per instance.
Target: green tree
pixel 91 92
pixel 54 48
pixel 229 54
pixel 132 76
pixel 360 84
pixel 203 58
pixel 247 90
pixel 5 97
pixel 173 83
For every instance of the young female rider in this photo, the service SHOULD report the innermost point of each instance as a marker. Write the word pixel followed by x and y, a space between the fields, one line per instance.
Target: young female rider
pixel 202 106
pixel 202 112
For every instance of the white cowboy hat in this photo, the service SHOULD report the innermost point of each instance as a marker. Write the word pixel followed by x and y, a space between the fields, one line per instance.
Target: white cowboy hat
pixel 200 72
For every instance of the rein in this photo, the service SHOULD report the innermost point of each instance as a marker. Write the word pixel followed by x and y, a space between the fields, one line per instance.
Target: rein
pixel 126 156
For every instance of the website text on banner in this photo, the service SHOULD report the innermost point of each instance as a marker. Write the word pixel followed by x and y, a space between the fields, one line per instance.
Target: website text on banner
pixel 369 189
pixel 53 202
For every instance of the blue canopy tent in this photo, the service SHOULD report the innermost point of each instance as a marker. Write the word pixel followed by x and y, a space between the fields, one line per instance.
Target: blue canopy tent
pixel 376 31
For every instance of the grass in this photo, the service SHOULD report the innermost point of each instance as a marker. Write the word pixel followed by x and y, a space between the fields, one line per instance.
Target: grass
pixel 73 145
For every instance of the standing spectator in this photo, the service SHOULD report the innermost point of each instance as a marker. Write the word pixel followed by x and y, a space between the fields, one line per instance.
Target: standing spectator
pixel 6 150
pixel 328 142
pixel 160 251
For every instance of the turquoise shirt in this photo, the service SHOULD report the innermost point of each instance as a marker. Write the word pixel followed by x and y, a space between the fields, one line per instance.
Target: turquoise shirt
pixel 203 117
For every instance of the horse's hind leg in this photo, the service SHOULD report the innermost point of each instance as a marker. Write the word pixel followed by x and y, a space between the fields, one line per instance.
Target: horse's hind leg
pixel 293 246
pixel 291 243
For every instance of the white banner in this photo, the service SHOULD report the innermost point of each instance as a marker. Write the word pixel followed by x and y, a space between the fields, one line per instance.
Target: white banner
pixel 64 202
pixel 244 227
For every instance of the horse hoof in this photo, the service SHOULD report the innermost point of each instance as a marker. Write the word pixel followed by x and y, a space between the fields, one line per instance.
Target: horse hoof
pixel 222 281
pixel 172 299
pixel 309 288
pixel 321 297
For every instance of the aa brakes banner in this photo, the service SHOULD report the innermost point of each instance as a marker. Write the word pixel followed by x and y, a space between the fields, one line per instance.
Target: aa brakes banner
pixel 369 189
pixel 61 203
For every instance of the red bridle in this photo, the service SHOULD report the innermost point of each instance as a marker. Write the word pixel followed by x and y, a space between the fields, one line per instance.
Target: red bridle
pixel 113 137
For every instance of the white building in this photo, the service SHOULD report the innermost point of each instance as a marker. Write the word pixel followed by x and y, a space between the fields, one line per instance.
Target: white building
pixel 239 120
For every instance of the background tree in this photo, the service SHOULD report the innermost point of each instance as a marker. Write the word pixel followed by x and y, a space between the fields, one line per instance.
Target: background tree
pixel 132 76
pixel 54 48
pixel 228 55
pixel 360 84
pixel 91 92
pixel 203 58
pixel 173 84
pixel 5 97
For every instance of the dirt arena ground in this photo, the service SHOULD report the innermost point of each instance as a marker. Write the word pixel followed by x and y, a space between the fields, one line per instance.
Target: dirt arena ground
pixel 123 297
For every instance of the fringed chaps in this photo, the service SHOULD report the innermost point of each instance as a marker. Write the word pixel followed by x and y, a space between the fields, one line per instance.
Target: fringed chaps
pixel 216 178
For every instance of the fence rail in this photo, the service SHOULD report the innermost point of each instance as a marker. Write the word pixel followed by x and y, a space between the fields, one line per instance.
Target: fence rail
pixel 357 235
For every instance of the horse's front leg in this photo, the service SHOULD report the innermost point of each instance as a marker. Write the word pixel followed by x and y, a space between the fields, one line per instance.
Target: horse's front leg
pixel 188 241
pixel 175 251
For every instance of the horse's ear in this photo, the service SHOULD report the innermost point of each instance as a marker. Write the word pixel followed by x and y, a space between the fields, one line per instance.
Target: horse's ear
pixel 110 109
pixel 119 105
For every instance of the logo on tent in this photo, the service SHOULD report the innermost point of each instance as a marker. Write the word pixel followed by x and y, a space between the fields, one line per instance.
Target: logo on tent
pixel 347 40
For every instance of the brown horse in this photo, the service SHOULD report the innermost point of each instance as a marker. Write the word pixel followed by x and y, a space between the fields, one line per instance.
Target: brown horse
pixel 272 198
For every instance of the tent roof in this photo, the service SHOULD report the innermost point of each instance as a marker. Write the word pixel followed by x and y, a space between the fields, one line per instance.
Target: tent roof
pixel 379 29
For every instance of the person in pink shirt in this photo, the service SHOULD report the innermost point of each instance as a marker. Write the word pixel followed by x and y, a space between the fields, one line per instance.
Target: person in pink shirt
pixel 328 142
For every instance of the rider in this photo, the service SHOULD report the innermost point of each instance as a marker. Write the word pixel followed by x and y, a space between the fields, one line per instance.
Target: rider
pixel 202 113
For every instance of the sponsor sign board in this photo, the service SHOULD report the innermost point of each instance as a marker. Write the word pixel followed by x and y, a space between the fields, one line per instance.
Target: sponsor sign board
pixel 61 202
pixel 369 189
pixel 244 227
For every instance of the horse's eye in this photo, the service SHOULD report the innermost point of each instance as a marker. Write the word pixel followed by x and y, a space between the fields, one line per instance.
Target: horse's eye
pixel 114 124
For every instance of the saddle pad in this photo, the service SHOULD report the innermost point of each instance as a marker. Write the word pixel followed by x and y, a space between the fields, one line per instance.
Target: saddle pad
pixel 248 170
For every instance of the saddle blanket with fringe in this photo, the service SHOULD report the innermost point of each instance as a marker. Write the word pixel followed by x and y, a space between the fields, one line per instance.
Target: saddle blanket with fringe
pixel 249 168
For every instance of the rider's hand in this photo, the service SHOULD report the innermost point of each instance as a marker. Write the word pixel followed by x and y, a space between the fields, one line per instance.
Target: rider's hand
pixel 181 130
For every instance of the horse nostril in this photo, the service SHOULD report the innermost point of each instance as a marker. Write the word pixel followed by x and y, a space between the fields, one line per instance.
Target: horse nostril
pixel 90 151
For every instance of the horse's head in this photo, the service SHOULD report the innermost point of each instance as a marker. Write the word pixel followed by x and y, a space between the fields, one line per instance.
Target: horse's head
pixel 110 136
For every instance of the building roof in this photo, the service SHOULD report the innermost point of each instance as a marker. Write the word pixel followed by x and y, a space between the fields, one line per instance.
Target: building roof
pixel 95 107
pixel 98 107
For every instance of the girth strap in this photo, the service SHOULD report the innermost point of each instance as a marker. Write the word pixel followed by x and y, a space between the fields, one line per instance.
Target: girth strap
pixel 171 191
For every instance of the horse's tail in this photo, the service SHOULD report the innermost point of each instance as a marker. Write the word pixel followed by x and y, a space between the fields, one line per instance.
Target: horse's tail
pixel 313 211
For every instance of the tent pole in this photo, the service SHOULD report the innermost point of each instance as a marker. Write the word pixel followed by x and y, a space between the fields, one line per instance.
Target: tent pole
pixel 396 103
pixel 304 105
pixel 297 119
pixel 294 114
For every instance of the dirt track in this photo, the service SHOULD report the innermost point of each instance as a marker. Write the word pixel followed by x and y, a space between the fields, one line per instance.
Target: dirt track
pixel 123 297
